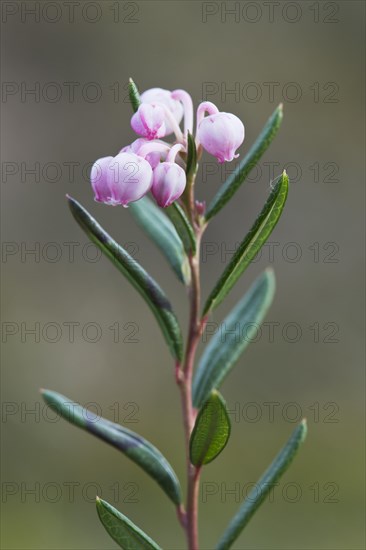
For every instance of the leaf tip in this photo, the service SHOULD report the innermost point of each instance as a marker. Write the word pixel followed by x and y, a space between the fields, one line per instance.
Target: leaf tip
pixel 304 428
pixel 45 393
pixel 70 200
pixel 269 279
pixel 278 114
pixel 269 273
pixel 284 179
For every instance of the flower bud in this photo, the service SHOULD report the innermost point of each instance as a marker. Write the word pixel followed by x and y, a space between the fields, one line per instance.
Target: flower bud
pixel 122 179
pixel 158 95
pixel 200 207
pixel 220 135
pixel 169 181
pixel 149 121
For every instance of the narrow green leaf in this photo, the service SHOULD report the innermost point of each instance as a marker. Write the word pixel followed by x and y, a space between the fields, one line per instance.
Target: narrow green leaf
pixel 184 229
pixel 162 231
pixel 135 447
pixel 232 337
pixel 253 156
pixel 125 533
pixel 263 487
pixel 211 431
pixel 191 167
pixel 138 277
pixel 134 95
pixel 252 243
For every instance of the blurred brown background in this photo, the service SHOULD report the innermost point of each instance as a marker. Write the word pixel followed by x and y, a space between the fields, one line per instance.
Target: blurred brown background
pixel 77 58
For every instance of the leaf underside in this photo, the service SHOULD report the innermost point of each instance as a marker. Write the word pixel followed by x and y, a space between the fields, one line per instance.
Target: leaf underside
pixel 263 487
pixel 135 447
pixel 136 275
pixel 162 232
pixel 232 337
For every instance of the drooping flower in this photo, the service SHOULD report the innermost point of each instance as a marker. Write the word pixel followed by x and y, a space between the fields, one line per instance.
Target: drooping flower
pixel 149 121
pixel 99 181
pixel 150 163
pixel 122 179
pixel 164 97
pixel 219 133
pixel 169 180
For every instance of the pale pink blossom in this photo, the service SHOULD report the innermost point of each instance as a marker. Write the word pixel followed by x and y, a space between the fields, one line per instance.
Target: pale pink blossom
pixel 99 181
pixel 169 180
pixel 220 134
pixel 164 97
pixel 122 179
pixel 149 121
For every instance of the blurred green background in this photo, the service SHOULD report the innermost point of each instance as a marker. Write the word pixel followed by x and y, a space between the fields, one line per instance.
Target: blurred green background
pixel 310 55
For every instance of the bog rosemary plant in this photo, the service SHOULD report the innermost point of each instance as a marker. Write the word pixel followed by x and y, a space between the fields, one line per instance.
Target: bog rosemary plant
pixel 176 221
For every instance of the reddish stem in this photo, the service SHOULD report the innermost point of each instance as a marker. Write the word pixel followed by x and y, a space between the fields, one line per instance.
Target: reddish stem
pixel 184 375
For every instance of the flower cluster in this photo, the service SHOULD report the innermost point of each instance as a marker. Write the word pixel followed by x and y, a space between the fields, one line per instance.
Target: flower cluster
pixel 151 164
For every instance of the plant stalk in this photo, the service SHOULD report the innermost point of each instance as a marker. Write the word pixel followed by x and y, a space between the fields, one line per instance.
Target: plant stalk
pixel 184 376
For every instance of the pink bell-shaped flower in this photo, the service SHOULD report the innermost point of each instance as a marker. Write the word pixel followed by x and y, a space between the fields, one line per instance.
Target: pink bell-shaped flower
pixel 149 121
pixel 219 133
pixel 169 180
pixel 99 181
pixel 164 97
pixel 122 179
pixel 129 177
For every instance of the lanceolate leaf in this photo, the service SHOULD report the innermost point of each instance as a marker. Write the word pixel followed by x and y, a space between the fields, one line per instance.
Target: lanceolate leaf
pixel 191 169
pixel 191 157
pixel 138 277
pixel 126 534
pixel 211 431
pixel 253 156
pixel 183 226
pixel 135 447
pixel 161 230
pixel 134 95
pixel 252 243
pixel 232 337
pixel 263 487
